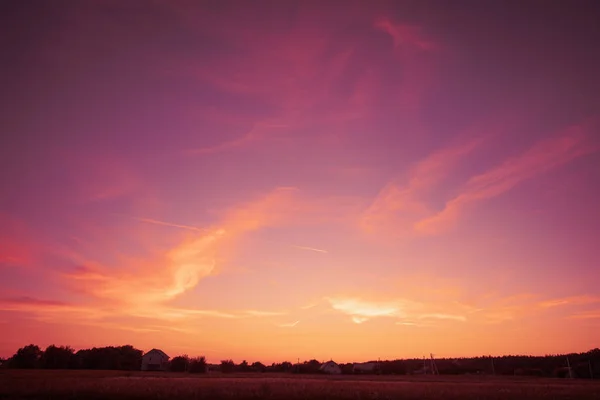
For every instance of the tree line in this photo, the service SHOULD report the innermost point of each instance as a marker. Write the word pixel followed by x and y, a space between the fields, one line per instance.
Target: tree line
pixel 582 365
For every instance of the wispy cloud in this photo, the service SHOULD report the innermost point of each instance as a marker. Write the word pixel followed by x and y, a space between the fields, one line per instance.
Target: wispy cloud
pixel 311 249
pixel 53 310
pixel 289 325
pixel 361 310
pixel 16 246
pixel 401 204
pixel 591 314
pixel 415 324
pixel 570 301
pixel 258 132
pixel 92 314
pixel 261 313
pixel 144 287
pixel 443 316
pixel 163 223
pixel 409 312
pixel 309 306
pixel 405 35
pixel 542 157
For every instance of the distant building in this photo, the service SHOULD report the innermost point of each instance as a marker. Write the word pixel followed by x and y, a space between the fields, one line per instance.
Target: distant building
pixel 365 368
pixel 331 367
pixel 155 360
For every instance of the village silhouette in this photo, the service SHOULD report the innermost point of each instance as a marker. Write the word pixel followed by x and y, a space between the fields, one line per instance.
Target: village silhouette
pixel 128 358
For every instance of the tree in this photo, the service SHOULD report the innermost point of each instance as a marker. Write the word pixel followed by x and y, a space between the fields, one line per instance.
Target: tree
pixel 198 365
pixel 129 358
pixel 26 357
pixel 180 363
pixel 123 358
pixel 258 367
pixel 227 366
pixel 57 357
pixel 244 367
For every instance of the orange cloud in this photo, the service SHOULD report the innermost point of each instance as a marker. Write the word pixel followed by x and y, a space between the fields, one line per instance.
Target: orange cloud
pixel 361 310
pixel 592 314
pixel 570 301
pixel 488 309
pixel 289 325
pixel 443 316
pixel 180 268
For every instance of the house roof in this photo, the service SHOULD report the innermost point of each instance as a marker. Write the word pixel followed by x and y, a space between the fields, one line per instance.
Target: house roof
pixel 329 363
pixel 160 352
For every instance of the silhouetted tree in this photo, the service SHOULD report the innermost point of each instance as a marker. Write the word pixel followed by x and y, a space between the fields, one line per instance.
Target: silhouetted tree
pixel 180 363
pixel 130 358
pixel 227 366
pixel 197 365
pixel 122 358
pixel 395 367
pixel 243 366
pixel 258 367
pixel 26 357
pixel 57 357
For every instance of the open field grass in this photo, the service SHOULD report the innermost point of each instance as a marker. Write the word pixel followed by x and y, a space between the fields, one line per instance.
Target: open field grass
pixel 118 385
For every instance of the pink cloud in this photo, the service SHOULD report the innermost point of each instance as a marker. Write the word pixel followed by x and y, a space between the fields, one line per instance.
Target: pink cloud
pixel 405 35
pixel 18 246
pixel 542 157
pixel 399 203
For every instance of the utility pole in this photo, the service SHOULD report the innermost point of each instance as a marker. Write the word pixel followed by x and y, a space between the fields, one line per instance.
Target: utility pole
pixel 493 368
pixel 434 369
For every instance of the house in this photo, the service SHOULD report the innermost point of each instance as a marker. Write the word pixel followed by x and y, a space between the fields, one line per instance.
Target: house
pixel 365 368
pixel 155 360
pixel 331 367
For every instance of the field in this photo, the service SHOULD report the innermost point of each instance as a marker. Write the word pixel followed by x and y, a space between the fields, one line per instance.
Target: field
pixel 40 384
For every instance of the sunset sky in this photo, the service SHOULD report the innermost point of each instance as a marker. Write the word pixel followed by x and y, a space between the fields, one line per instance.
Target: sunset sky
pixel 274 180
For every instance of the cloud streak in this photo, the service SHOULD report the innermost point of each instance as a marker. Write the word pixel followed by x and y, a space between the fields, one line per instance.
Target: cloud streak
pixel 163 223
pixel 311 249
pixel 289 325
pixel 400 204
pixel 542 157
pixel 406 205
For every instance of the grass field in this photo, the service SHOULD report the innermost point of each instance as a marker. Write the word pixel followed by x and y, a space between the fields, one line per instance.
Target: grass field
pixel 20 384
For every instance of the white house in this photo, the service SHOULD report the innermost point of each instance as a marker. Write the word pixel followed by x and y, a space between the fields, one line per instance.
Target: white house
pixel 365 368
pixel 155 360
pixel 331 367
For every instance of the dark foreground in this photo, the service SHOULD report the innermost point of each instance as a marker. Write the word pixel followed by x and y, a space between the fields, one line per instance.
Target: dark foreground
pixel 122 385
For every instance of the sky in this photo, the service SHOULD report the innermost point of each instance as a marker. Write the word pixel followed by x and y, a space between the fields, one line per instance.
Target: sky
pixel 277 181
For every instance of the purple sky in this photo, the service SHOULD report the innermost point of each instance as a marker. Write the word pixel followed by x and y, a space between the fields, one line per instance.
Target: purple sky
pixel 238 179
